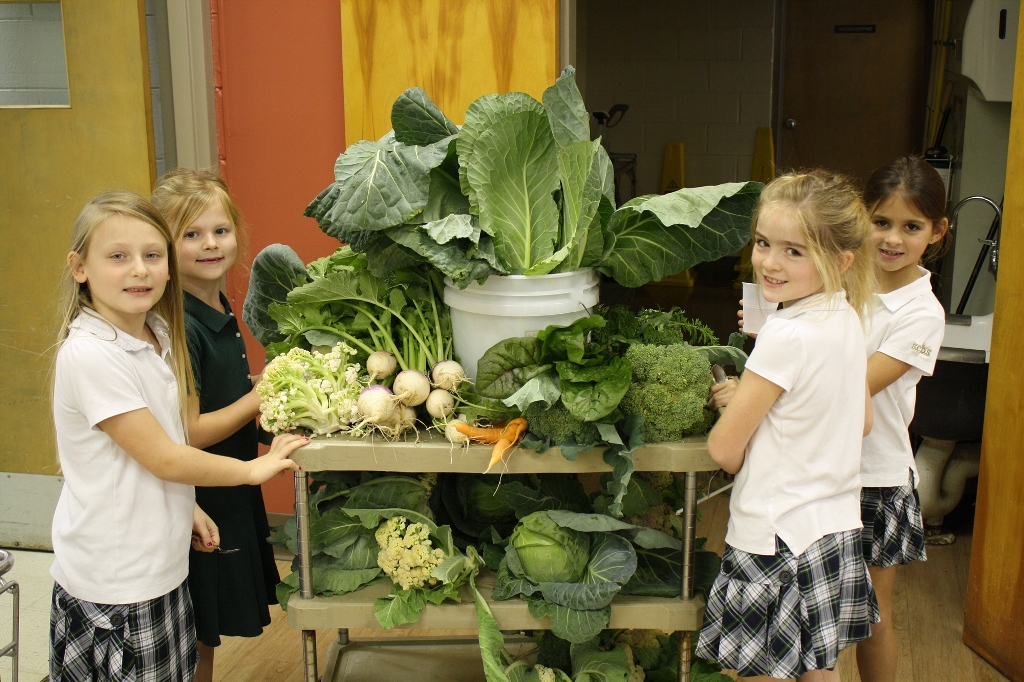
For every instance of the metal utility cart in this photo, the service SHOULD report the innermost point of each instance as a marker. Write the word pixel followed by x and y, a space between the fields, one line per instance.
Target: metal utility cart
pixel 433 454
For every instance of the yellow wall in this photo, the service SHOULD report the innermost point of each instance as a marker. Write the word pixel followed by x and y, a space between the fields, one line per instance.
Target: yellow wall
pixel 51 162
pixel 456 50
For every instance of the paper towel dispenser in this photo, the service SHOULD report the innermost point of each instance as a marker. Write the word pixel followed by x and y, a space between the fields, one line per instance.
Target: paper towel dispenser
pixel 990 47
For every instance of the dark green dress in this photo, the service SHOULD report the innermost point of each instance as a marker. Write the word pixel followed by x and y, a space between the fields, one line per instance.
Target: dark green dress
pixel 230 592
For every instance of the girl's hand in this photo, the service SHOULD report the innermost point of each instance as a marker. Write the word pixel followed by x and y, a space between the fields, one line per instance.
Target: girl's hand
pixel 205 535
pixel 252 402
pixel 722 393
pixel 256 378
pixel 739 314
pixel 274 462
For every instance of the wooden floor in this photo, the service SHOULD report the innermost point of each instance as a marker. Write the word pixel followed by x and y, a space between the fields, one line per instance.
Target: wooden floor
pixel 929 616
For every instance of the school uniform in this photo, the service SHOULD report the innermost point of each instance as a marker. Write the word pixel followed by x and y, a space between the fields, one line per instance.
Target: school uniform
pixel 231 593
pixel 793 590
pixel 908 325
pixel 120 608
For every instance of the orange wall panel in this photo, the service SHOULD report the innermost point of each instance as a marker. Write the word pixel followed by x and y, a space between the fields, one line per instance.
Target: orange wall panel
pixel 280 127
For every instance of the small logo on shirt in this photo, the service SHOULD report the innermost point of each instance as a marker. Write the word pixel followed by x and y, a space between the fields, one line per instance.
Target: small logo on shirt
pixel 921 349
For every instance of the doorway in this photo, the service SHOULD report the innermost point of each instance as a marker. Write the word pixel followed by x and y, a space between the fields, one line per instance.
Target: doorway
pixel 853 83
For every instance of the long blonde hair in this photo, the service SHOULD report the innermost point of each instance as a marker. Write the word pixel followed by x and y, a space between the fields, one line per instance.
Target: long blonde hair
pixel 833 220
pixel 75 298
pixel 183 195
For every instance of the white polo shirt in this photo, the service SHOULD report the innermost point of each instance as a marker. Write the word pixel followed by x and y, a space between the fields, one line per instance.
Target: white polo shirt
pixel 908 325
pixel 120 534
pixel 800 478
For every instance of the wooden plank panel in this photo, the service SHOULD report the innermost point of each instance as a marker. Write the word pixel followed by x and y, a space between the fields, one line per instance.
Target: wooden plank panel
pixel 52 161
pixel 456 50
pixel 995 596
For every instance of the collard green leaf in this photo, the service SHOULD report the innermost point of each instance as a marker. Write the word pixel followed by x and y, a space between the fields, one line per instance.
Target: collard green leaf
pixel 382 184
pixel 594 246
pixel 565 110
pixel 390 492
pixel 276 270
pixel 658 573
pixel 544 388
pixel 573 625
pixel 450 258
pixel 481 116
pixel 620 458
pixel 454 226
pixel 724 355
pixel 332 581
pixel 417 120
pixel 484 250
pixel 590 523
pixel 580 595
pixel 444 196
pixel 513 171
pixel 507 365
pixel 581 194
pixel 658 236
pixel 555 491
pixel 354 551
pixel 590 400
pixel 371 518
pixel 384 256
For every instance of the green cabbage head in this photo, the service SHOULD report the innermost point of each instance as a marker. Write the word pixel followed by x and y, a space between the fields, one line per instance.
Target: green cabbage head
pixel 548 552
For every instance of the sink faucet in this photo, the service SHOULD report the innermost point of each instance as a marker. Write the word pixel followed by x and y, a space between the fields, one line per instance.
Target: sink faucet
pixel 989 241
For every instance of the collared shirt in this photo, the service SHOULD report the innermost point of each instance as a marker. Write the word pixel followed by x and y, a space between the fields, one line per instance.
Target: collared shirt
pixel 220 367
pixel 120 534
pixel 800 478
pixel 908 325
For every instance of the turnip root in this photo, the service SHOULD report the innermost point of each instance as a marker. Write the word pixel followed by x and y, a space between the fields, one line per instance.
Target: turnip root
pixel 376 404
pixel 380 365
pixel 411 387
pixel 452 433
pixel 408 420
pixel 448 375
pixel 440 403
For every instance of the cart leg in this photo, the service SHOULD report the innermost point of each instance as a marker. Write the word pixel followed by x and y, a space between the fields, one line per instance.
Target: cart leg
pixel 342 636
pixel 685 648
pixel 305 576
pixel 689 547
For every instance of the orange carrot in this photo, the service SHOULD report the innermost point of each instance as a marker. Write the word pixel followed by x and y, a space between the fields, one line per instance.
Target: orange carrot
pixel 490 434
pixel 510 437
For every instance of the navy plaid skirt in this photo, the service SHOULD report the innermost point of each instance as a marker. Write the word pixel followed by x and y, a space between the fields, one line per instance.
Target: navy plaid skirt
pixel 150 641
pixel 783 615
pixel 893 529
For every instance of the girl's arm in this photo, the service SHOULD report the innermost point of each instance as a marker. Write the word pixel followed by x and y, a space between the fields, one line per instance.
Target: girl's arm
pixel 213 427
pixel 728 440
pixel 141 436
pixel 883 370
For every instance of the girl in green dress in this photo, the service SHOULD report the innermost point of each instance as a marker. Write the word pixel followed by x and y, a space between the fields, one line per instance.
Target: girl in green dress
pixel 230 591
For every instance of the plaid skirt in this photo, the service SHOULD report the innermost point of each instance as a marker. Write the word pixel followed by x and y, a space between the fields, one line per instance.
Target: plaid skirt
pixel 783 615
pixel 150 641
pixel 893 529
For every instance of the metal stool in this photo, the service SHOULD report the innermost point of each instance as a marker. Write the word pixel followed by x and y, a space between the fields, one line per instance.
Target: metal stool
pixel 11 649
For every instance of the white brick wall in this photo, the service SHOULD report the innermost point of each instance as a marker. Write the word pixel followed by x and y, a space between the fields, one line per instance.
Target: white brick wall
pixel 692 71
pixel 33 70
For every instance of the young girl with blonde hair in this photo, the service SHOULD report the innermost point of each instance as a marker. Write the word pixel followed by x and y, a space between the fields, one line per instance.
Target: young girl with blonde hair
pixel 793 590
pixel 231 594
pixel 907 201
pixel 127 513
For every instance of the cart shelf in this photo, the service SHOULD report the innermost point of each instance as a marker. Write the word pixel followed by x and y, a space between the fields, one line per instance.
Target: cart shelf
pixel 355 610
pixel 433 453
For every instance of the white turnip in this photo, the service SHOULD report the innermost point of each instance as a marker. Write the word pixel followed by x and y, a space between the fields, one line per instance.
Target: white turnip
pixel 376 404
pixel 452 433
pixel 380 365
pixel 448 375
pixel 440 403
pixel 411 387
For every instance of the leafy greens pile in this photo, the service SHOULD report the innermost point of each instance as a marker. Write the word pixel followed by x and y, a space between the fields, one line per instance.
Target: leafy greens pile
pixel 618 378
pixel 519 188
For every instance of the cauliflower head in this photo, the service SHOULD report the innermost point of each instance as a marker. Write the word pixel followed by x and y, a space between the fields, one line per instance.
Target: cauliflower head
pixel 658 517
pixel 406 553
pixel 558 425
pixel 670 390
pixel 310 390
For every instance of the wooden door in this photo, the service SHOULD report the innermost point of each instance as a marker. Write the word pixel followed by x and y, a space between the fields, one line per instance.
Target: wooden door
pixel 994 622
pixel 53 160
pixel 456 50
pixel 854 81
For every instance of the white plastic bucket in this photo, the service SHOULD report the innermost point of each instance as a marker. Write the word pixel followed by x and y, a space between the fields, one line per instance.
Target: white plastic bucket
pixel 515 305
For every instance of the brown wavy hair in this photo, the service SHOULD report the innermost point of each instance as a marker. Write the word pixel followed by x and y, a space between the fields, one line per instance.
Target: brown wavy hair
pixel 833 220
pixel 76 299
pixel 920 185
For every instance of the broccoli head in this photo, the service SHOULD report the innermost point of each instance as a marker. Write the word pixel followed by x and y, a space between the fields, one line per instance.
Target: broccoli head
pixel 558 425
pixel 670 389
